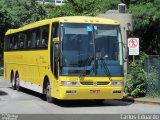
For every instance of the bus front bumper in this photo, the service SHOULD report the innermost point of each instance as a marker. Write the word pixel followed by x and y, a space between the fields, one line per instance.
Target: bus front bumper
pixel 79 93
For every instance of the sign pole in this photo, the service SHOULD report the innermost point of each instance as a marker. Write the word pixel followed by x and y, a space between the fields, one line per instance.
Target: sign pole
pixel 133 58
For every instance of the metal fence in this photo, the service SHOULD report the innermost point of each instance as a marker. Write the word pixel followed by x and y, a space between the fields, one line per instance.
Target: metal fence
pixel 152 72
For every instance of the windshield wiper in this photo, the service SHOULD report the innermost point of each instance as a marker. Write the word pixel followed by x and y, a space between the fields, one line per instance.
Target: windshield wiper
pixel 107 72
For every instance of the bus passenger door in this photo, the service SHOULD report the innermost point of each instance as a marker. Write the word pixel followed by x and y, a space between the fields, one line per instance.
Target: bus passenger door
pixel 55 50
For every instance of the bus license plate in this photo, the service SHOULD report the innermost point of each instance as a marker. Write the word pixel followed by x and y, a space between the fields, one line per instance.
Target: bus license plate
pixel 94 91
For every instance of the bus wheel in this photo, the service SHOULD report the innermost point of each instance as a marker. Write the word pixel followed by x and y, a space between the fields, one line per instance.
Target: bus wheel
pixel 17 83
pixel 48 93
pixel 13 82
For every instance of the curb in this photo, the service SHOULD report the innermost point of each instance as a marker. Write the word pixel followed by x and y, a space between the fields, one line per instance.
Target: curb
pixel 142 100
pixel 148 101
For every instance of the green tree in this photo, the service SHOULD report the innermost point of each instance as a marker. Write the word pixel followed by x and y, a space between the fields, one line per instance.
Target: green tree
pixel 53 11
pixel 21 12
pixel 84 7
pixel 110 4
pixel 147 24
pixel 136 83
pixel 75 8
pixel 16 13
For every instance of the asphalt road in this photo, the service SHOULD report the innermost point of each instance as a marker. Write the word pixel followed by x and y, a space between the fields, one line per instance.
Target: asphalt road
pixel 29 102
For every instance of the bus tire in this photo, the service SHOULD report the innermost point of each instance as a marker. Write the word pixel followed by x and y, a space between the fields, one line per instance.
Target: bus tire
pixel 17 82
pixel 13 82
pixel 48 92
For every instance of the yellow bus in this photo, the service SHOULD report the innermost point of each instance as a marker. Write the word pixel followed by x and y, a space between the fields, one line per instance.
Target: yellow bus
pixel 67 58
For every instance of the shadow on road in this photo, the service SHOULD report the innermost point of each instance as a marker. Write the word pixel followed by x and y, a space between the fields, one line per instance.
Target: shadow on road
pixel 2 93
pixel 32 93
pixel 80 103
pixel 91 103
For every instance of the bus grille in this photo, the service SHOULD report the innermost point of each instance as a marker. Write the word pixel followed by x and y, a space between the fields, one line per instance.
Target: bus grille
pixel 94 83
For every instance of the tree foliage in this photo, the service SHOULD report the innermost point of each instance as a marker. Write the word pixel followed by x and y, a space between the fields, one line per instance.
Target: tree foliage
pixel 146 24
pixel 84 7
pixel 74 7
pixel 136 84
pixel 15 13
pixel 53 11
pixel 110 4
pixel 21 12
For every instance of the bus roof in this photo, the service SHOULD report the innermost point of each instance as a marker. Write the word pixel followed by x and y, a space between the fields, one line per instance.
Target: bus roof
pixel 69 19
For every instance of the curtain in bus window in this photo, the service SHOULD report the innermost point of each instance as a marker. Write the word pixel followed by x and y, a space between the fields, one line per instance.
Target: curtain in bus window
pixel 15 41
pixel 22 40
pixel 33 45
pixel 29 38
pixel 37 38
pixel 44 36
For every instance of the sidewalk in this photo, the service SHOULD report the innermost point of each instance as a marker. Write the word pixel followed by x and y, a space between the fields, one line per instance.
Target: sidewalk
pixel 147 100
pixel 4 83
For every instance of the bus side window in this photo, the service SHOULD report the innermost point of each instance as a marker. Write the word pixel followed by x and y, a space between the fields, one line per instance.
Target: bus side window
pixel 7 43
pixel 29 44
pixel 21 39
pixel 44 36
pixel 55 30
pixel 33 45
pixel 25 39
pixel 15 42
pixel 11 45
pixel 29 37
pixel 37 37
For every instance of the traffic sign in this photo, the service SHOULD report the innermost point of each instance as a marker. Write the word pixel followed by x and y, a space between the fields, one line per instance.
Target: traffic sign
pixel 133 45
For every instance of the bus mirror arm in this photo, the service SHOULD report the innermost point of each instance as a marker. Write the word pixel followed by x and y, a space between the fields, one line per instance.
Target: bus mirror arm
pixel 55 39
pixel 126 51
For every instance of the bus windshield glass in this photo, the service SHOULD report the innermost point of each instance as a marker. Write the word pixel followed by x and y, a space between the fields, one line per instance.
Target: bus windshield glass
pixel 93 50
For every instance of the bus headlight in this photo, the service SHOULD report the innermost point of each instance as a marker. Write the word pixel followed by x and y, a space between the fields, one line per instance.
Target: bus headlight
pixel 69 83
pixel 117 83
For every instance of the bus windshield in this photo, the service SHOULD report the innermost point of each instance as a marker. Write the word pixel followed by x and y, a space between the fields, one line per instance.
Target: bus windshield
pixel 90 49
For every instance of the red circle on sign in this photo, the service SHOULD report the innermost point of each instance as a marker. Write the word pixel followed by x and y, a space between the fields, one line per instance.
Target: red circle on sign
pixel 133 43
